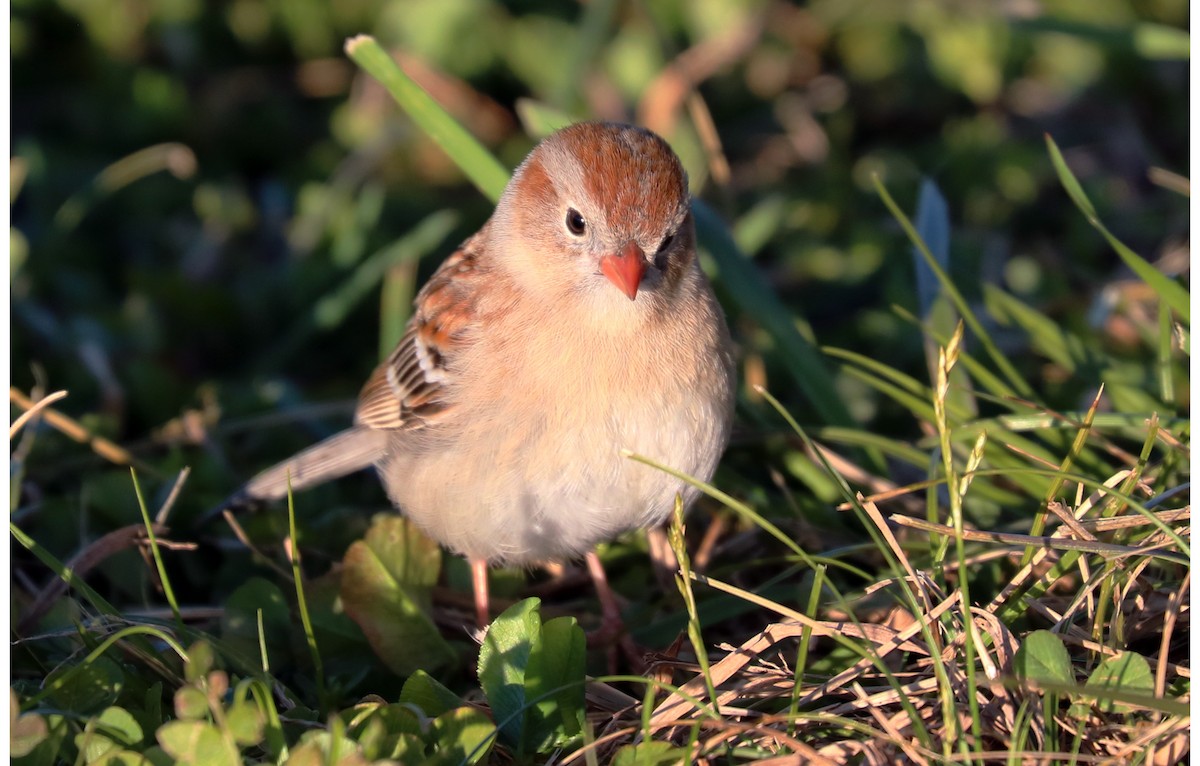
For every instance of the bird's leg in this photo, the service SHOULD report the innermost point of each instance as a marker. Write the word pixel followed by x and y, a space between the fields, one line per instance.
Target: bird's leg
pixel 611 623
pixel 611 632
pixel 479 584
pixel 662 558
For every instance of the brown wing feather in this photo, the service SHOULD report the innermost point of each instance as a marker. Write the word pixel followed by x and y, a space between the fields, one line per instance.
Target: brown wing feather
pixel 407 390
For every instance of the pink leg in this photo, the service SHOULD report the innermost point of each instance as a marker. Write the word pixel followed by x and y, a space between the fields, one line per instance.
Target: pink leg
pixel 611 633
pixel 479 583
pixel 610 613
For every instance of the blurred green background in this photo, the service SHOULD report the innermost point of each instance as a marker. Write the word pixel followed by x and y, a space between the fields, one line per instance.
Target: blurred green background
pixel 212 208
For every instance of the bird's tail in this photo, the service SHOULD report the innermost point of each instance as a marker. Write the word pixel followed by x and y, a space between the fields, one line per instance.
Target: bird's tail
pixel 340 454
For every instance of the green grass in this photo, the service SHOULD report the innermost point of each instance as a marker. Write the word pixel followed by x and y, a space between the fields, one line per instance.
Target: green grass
pixel 955 529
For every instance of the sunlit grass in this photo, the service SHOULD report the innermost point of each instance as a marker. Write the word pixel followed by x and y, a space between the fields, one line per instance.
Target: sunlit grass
pixel 995 568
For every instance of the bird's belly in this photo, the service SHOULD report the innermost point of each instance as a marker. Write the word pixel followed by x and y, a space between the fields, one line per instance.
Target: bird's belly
pixel 555 491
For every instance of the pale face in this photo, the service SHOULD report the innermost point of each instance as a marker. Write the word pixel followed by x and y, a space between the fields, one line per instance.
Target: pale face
pixel 599 211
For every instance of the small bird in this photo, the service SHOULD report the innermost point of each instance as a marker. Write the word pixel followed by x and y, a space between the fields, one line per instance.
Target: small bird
pixel 575 324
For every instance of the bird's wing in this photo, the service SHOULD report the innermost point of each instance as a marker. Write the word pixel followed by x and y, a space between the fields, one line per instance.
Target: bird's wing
pixel 410 388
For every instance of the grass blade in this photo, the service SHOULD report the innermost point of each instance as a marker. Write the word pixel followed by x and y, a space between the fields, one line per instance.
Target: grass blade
pixel 933 224
pixel 168 591
pixel 293 551
pixel 749 289
pixel 65 573
pixel 960 303
pixel 484 170
pixel 1170 291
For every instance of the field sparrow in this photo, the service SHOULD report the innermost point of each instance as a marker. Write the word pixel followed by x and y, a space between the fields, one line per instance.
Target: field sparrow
pixel 574 324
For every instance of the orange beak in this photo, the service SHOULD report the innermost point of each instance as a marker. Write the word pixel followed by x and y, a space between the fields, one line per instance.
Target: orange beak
pixel 625 269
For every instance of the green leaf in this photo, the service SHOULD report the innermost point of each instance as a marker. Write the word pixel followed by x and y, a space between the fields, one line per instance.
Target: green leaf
pixel 385 589
pixel 503 661
pixel 409 749
pixel 190 703
pixel 488 175
pixel 122 757
pixel 196 742
pixel 1043 657
pixel 399 719
pixel 93 745
pixel 239 621
pixel 554 683
pixel 410 556
pixel 246 723
pixel 428 694
pixel 371 735
pixel 119 725
pixel 200 661
pixel 1170 291
pixel 308 754
pixel 327 749
pixel 158 757
pixel 90 687
pixel 150 714
pixel 25 732
pixel 45 752
pixel 1128 672
pixel 336 633
pixel 462 735
pixel 387 731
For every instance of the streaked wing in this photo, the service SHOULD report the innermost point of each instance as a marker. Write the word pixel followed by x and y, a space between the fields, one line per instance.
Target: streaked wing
pixel 408 390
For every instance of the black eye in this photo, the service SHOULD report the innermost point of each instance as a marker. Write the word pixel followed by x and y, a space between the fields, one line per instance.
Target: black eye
pixel 575 222
pixel 666 242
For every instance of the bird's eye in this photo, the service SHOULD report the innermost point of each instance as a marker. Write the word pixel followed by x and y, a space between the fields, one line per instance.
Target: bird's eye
pixel 575 222
pixel 666 242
